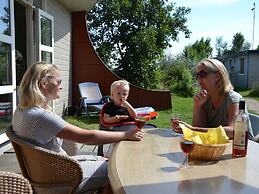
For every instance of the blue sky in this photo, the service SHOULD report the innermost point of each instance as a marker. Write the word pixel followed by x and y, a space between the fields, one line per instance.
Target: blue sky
pixel 215 18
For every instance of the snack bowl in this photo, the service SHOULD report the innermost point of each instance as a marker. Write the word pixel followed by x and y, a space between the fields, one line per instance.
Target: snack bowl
pixel 208 151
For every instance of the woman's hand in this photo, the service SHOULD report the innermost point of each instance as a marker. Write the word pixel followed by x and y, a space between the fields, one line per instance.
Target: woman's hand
pixel 200 98
pixel 135 134
pixel 175 125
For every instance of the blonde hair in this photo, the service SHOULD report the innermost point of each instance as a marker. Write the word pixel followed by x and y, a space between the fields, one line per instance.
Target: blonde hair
pixel 213 65
pixel 122 83
pixel 29 91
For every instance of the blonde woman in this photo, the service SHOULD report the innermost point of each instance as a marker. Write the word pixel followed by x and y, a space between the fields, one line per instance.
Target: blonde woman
pixel 34 120
pixel 217 103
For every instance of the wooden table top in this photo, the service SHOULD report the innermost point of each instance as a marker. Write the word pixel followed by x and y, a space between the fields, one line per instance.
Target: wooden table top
pixel 151 167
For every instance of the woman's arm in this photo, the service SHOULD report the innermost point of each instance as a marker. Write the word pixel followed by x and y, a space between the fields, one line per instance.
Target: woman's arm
pixel 199 116
pixel 95 137
pixel 232 112
pixel 229 127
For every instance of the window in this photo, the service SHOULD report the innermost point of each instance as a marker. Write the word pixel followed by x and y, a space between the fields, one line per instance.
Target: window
pixel 230 62
pixel 242 66
pixel 5 24
pixel 46 37
pixel 7 66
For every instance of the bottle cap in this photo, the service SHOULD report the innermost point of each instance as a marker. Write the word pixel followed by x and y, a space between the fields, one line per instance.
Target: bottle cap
pixel 242 104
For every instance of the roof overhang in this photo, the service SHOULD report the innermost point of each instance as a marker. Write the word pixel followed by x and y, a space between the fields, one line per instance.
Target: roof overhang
pixel 78 5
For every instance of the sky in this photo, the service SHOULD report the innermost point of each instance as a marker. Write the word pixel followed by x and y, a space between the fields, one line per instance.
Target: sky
pixel 215 18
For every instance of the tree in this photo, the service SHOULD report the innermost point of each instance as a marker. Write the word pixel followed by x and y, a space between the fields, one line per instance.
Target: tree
pixel 130 36
pixel 239 44
pixel 220 46
pixel 199 50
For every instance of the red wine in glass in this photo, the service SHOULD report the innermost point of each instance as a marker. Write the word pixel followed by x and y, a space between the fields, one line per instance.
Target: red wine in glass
pixel 140 123
pixel 186 146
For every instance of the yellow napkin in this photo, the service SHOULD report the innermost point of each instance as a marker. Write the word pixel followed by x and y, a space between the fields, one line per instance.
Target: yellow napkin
pixel 212 136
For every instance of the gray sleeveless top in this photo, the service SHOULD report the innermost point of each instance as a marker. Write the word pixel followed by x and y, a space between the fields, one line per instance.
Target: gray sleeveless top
pixel 219 116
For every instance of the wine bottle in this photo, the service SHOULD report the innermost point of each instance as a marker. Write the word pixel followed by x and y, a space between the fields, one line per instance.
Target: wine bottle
pixel 240 132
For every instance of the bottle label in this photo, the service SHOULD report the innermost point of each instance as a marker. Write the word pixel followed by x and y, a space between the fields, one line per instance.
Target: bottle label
pixel 240 135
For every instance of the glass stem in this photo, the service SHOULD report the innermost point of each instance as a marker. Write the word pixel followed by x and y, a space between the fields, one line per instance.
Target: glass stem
pixel 187 160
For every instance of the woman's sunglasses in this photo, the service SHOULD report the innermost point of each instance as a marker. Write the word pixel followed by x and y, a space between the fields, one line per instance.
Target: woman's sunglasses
pixel 203 74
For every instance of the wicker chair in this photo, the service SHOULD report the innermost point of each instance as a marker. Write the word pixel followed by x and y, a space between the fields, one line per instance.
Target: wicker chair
pixel 47 171
pixel 14 183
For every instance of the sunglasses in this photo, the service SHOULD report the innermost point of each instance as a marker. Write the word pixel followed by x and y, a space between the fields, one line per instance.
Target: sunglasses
pixel 203 74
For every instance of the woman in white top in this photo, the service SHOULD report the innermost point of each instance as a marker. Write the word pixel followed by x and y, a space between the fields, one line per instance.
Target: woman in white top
pixel 34 120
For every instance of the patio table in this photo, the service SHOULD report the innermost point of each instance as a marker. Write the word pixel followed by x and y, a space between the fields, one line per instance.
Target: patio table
pixel 150 166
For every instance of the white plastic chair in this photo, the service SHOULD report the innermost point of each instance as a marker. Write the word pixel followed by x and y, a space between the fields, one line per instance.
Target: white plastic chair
pixel 91 97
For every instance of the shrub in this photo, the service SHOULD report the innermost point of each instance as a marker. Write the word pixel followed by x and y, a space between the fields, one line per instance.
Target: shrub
pixel 180 80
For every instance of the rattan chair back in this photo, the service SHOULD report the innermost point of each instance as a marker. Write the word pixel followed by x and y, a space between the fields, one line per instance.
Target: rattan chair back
pixel 47 171
pixel 14 183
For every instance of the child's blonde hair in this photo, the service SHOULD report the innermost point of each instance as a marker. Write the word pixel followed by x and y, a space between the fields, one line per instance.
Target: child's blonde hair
pixel 122 83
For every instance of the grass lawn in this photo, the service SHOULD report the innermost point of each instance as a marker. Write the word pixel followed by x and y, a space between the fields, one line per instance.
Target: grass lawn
pixel 181 107
pixel 250 94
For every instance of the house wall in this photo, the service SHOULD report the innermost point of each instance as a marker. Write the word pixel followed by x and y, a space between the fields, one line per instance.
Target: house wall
pixel 251 68
pixel 253 72
pixel 62 51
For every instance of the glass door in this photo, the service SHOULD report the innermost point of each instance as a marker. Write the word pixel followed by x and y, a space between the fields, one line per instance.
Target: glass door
pixel 7 66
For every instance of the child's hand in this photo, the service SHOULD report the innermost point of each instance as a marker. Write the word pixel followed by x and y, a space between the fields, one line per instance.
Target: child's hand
pixel 122 117
pixel 125 104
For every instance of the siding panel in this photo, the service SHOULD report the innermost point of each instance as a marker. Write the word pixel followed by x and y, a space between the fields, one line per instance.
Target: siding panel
pixel 62 50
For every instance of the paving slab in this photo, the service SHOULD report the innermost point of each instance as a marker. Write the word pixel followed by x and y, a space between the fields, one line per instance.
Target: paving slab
pixel 252 104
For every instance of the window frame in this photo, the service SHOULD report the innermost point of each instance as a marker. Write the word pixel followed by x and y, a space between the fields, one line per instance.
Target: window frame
pixel 10 89
pixel 42 47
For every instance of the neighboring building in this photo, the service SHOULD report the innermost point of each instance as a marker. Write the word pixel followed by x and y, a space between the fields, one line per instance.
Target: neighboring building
pixel 243 68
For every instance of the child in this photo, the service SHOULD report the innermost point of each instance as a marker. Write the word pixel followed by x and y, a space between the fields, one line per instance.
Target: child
pixel 118 114
pixel 119 109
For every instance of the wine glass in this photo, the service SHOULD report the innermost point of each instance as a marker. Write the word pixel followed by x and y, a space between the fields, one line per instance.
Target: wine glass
pixel 186 146
pixel 140 121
